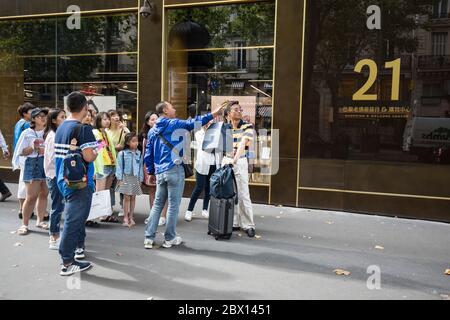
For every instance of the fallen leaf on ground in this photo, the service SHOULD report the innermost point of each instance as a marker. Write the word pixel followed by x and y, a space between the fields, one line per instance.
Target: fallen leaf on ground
pixel 329 222
pixel 379 247
pixel 341 272
pixel 257 237
pixel 447 272
pixel 18 244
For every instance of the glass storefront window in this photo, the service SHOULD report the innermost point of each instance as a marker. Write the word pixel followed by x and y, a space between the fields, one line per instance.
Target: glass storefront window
pixel 376 112
pixel 42 61
pixel 223 52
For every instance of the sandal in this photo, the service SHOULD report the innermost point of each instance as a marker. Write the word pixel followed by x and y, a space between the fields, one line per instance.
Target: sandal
pixel 92 224
pixel 22 231
pixel 42 226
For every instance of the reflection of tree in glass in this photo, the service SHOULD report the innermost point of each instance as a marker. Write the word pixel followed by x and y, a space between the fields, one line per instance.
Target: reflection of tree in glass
pixel 337 36
pixel 252 24
pixel 38 37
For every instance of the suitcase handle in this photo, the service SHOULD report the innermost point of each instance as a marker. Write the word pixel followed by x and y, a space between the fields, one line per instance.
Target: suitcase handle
pixel 236 197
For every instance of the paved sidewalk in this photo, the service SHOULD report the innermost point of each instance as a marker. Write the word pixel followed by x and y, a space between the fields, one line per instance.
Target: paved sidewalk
pixel 293 257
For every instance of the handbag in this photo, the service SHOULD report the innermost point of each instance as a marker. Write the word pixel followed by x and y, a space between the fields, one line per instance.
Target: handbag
pixel 101 205
pixel 188 171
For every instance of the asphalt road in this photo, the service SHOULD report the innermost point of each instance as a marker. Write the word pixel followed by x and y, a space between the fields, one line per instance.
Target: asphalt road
pixel 293 257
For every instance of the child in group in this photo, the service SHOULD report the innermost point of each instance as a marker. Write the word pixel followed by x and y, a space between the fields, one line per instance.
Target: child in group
pixel 105 164
pixel 130 174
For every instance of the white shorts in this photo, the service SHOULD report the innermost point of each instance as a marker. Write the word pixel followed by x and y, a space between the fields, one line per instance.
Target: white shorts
pixel 22 191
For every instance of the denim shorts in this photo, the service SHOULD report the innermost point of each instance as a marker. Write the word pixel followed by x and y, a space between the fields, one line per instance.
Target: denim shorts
pixel 108 171
pixel 34 170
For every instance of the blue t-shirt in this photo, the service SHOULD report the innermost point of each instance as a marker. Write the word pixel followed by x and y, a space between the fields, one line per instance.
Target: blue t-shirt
pixel 63 137
pixel 20 127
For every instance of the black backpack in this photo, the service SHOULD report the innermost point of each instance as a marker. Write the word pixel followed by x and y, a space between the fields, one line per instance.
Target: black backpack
pixel 74 166
pixel 223 184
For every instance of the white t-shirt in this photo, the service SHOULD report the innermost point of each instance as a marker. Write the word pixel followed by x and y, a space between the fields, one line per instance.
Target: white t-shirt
pixel 26 140
pixel 204 159
pixel 49 155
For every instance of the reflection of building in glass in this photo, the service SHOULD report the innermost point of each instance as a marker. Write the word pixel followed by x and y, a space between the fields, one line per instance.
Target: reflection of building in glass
pixel 223 52
pixel 432 90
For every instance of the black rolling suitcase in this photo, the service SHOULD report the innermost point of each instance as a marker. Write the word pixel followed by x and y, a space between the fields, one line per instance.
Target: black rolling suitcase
pixel 223 200
pixel 221 213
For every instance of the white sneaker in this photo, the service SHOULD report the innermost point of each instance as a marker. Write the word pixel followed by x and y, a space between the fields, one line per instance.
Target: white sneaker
pixel 148 244
pixel 205 214
pixel 146 221
pixel 79 254
pixel 53 245
pixel 188 216
pixel 121 213
pixel 175 242
pixel 162 221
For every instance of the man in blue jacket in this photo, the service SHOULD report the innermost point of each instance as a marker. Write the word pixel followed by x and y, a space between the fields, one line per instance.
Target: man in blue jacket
pixel 167 164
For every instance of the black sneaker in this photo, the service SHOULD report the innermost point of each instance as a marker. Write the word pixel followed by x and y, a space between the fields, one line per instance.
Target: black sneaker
pixel 251 232
pixel 5 196
pixel 76 266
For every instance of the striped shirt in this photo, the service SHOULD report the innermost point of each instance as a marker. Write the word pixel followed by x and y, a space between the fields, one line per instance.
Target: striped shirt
pixel 63 138
pixel 244 129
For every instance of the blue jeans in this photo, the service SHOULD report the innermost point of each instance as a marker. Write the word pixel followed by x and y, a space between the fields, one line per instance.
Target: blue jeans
pixel 78 206
pixel 201 183
pixel 169 185
pixel 57 206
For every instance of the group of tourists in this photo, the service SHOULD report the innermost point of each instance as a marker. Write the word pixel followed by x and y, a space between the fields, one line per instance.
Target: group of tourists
pixel 72 154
